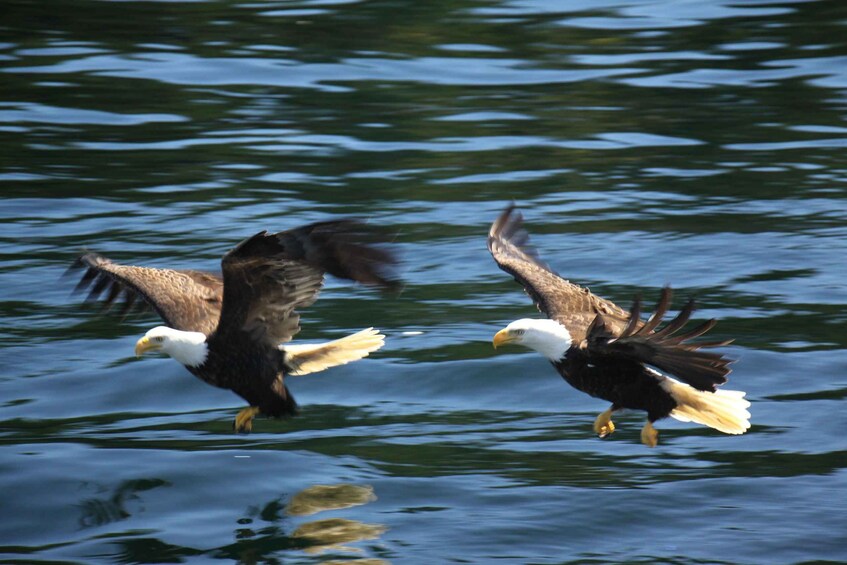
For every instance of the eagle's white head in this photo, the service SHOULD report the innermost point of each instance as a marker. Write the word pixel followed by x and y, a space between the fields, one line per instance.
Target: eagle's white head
pixel 189 348
pixel 548 337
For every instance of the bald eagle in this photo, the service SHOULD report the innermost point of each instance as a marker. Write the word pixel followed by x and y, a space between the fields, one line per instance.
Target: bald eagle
pixel 612 354
pixel 231 331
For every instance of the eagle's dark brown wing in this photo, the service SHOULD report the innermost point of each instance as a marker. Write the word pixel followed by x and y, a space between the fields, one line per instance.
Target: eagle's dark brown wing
pixel 666 348
pixel 574 306
pixel 186 300
pixel 269 276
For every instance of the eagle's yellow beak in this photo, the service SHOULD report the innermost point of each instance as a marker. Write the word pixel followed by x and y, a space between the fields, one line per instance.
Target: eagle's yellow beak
pixel 144 344
pixel 503 337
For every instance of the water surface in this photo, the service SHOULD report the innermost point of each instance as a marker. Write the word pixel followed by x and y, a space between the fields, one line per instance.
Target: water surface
pixel 649 142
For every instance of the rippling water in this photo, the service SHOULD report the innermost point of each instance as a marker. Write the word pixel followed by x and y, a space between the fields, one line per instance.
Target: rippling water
pixel 696 143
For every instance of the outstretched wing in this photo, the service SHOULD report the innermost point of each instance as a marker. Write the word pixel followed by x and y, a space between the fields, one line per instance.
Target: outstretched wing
pixel 666 348
pixel 185 300
pixel 554 296
pixel 269 276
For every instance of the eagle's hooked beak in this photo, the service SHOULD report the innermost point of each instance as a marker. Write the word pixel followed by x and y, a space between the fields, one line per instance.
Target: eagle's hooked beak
pixel 144 344
pixel 503 337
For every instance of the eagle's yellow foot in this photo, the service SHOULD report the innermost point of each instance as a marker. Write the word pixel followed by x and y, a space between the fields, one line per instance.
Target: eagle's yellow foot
pixel 603 425
pixel 244 420
pixel 649 435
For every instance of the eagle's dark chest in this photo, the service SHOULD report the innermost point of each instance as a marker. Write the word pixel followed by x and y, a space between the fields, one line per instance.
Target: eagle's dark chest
pixel 238 364
pixel 624 383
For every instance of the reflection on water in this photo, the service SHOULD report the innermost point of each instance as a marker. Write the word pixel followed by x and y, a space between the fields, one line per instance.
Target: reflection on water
pixel 330 534
pixel 328 497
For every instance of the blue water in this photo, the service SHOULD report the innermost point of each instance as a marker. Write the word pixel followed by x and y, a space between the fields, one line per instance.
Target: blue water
pixel 699 144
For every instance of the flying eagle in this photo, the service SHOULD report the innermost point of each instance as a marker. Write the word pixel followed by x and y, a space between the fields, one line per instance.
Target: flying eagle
pixel 612 354
pixel 231 331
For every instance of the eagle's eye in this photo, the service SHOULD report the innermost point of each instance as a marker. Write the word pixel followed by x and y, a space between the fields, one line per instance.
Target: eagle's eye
pixel 160 338
pixel 518 332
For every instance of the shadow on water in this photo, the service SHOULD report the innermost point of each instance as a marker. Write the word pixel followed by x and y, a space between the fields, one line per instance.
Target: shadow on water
pixel 99 511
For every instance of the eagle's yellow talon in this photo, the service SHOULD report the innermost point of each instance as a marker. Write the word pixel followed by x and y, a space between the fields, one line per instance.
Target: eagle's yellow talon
pixel 649 435
pixel 244 420
pixel 603 425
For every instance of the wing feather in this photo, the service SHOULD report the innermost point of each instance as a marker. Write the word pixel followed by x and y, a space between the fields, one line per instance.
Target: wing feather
pixel 553 295
pixel 185 300
pixel 268 276
pixel 664 349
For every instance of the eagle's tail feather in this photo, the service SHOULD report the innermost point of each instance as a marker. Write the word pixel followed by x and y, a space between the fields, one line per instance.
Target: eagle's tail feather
pixel 723 410
pixel 302 359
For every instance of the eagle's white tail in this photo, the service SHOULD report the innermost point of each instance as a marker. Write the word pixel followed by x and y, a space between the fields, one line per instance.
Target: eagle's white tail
pixel 310 358
pixel 724 410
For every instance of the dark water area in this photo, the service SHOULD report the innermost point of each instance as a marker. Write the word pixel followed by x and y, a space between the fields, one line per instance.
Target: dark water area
pixel 701 144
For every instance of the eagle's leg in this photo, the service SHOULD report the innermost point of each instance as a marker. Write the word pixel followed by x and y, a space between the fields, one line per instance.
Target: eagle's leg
pixel 603 425
pixel 649 435
pixel 244 420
